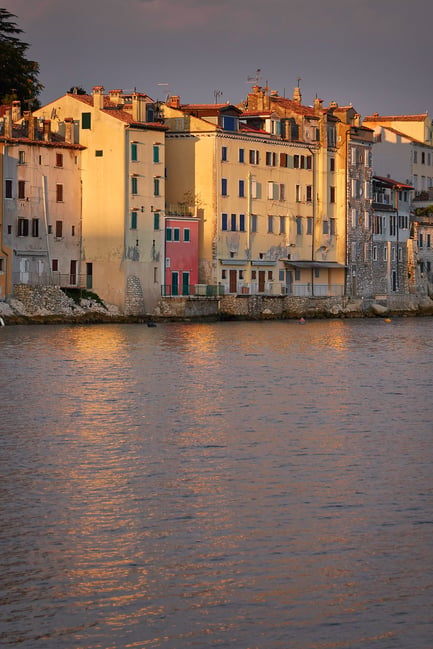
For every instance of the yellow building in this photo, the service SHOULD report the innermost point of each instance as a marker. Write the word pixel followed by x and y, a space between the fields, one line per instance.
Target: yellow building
pixel 122 192
pixel 259 198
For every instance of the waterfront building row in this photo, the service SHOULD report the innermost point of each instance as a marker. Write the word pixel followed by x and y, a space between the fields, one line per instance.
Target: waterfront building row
pixel 140 201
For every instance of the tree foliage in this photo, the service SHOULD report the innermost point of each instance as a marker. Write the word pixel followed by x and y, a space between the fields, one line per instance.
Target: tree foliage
pixel 18 75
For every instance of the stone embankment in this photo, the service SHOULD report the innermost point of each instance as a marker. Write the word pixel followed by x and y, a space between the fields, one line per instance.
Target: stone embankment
pixel 44 305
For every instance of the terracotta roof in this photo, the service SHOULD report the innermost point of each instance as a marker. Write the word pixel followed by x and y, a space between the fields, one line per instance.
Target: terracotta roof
pixel 289 104
pixel 118 111
pixel 393 183
pixel 395 118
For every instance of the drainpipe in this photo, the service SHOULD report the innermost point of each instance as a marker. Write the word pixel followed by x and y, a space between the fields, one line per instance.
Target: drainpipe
pixel 45 208
pixel 314 191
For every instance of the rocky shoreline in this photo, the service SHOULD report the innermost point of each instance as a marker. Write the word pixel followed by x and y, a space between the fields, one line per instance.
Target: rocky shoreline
pixel 53 306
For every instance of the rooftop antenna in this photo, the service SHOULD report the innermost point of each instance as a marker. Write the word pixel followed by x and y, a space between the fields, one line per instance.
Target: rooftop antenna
pixel 217 94
pixel 298 79
pixel 168 90
pixel 256 78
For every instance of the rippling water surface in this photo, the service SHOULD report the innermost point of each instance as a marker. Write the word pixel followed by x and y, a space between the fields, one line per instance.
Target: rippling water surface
pixel 230 485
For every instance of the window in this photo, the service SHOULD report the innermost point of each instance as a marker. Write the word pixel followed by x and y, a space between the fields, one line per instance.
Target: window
pixel 270 275
pixel 253 222
pixel 309 225
pixel 332 194
pixel 59 159
pixel 296 161
pixel 415 182
pixel 224 186
pixel 233 222
pixel 422 158
pixel 35 227
pixel 256 189
pixel 270 224
pixel 297 274
pixel 299 225
pixel 156 187
pixel 420 240
pixel 21 189
pixel 354 217
pixel 8 188
pixel 59 229
pixel 241 188
pixel 332 223
pixel 59 193
pixel 298 193
pixel 309 190
pixel 86 120
pixel 254 157
pixel 156 223
pixel 156 153
pixel 176 234
pixel 73 231
pixel 89 275
pixel 99 153
pixel 241 155
pixel 169 234
pixel 21 157
pixel 284 160
pixel 282 225
pixel 55 265
pixel 224 223
pixel 309 161
pixel 385 254
pixel 133 220
pixel 23 227
pixel 271 159
pixel 134 185
pixel 331 164
pixel 242 222
pixel 186 234
pixel 374 253
pixel 429 241
pixel 224 154
pixel 134 152
pixel 325 227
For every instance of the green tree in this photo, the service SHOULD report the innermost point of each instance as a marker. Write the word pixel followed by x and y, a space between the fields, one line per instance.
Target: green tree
pixel 18 75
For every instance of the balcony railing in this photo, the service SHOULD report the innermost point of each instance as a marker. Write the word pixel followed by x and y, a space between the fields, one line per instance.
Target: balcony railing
pixel 192 290
pixel 63 280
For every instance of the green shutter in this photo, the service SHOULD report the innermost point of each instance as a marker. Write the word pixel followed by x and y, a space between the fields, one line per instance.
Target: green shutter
pixel 133 220
pixel 86 120
pixel 155 153
pixel 156 221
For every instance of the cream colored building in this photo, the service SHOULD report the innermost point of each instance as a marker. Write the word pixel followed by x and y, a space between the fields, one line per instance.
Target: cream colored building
pixel 123 190
pixel 41 204
pixel 256 195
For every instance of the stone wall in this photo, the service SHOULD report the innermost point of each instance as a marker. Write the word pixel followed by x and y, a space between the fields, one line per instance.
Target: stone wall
pixel 134 297
pixel 42 299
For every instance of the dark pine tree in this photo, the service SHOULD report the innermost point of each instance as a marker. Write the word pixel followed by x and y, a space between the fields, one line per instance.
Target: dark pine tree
pixel 18 75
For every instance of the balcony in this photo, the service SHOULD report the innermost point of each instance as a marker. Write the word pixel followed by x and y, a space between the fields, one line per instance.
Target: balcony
pixel 62 280
pixel 192 290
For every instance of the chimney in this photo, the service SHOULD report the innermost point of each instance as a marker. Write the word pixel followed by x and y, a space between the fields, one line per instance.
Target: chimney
pixel 174 101
pixel 297 97
pixel 357 120
pixel 30 125
pixel 8 122
pixel 16 110
pixel 138 108
pixel 318 105
pixel 69 130
pixel 98 97
pixel 115 96
pixel 46 126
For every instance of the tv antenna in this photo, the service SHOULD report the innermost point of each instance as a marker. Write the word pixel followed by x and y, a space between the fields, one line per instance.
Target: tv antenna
pixel 256 78
pixel 217 94
pixel 168 90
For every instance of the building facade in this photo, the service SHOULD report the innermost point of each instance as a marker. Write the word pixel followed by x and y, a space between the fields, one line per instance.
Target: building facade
pixel 123 193
pixel 41 204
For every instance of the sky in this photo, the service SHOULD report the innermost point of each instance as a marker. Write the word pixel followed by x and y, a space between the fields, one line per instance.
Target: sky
pixel 374 54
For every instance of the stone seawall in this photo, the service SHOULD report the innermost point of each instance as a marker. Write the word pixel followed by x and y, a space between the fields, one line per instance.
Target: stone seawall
pixel 51 304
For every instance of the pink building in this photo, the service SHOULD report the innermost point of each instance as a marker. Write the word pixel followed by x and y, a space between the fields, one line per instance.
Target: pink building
pixel 181 255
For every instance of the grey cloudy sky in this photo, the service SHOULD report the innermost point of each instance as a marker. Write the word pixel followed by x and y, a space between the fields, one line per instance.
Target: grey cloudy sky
pixel 375 54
